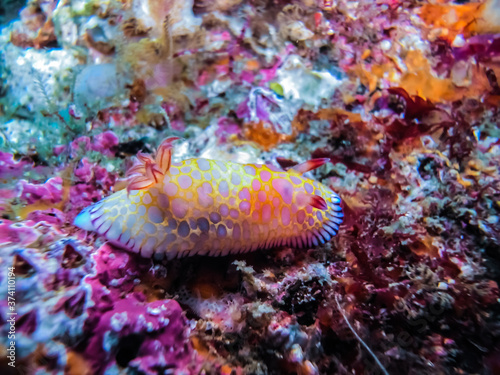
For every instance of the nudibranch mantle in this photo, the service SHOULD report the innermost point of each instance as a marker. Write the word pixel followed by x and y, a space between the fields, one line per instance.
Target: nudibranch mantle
pixel 210 207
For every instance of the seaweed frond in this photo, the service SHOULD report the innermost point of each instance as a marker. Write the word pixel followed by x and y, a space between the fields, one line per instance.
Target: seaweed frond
pixel 42 90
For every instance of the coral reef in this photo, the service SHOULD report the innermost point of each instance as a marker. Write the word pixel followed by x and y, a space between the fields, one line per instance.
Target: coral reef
pixel 402 96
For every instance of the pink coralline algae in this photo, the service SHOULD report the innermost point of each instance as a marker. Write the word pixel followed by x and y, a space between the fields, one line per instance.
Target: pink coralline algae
pixel 50 191
pixel 9 167
pixel 18 233
pixel 145 336
pixel 104 143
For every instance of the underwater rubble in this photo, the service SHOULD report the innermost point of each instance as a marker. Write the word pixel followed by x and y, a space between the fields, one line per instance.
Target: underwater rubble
pixel 401 95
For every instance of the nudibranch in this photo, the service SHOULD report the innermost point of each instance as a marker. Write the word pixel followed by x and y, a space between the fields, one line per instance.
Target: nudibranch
pixel 210 207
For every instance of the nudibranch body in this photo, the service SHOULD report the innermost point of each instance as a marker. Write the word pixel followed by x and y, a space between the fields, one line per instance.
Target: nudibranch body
pixel 201 206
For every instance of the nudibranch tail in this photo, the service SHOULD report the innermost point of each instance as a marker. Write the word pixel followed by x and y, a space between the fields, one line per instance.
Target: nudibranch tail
pixel 82 220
